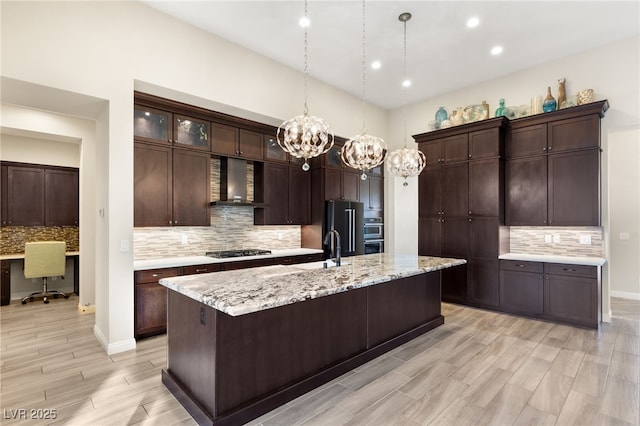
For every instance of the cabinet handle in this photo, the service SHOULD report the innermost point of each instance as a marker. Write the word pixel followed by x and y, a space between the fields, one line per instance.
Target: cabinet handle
pixel 469 212
pixel 469 155
pixel 241 152
pixel 544 222
pixel 169 222
pixel 175 222
pixel 569 269
pixel 469 219
pixel 540 277
pixel 520 265
pixel 202 270
pixel 550 148
pixel 156 275
pixel 544 149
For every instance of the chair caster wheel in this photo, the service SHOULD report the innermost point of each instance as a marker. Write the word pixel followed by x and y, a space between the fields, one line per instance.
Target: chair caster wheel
pixel 31 299
pixel 24 302
pixel 66 296
pixel 45 301
pixel 55 296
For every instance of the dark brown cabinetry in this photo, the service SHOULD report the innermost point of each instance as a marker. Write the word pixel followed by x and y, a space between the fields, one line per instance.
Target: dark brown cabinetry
pixel 371 193
pixel 232 141
pixel 338 181
pixel 552 173
pixel 286 191
pixel 554 291
pixel 37 195
pixel 460 204
pixel 159 126
pixel 150 301
pixel 171 186
pixel 5 282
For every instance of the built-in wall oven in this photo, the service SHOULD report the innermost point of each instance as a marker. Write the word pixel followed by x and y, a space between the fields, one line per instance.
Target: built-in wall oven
pixel 373 246
pixel 373 235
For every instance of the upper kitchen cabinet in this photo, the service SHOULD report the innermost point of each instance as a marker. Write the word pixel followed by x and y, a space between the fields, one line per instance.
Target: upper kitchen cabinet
pixel 339 182
pixel 152 125
pixel 372 192
pixel 274 152
pixel 159 126
pixel 190 132
pixel 61 197
pixel 171 186
pixel 285 191
pixel 232 141
pixel 36 195
pixel 552 175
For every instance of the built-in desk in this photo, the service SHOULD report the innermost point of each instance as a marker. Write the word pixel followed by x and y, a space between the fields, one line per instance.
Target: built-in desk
pixel 5 273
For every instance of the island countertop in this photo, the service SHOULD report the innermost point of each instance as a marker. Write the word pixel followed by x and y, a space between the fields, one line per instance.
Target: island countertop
pixel 250 290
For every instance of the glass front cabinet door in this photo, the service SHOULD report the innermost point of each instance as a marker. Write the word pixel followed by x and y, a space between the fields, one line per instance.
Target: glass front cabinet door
pixel 151 125
pixel 191 132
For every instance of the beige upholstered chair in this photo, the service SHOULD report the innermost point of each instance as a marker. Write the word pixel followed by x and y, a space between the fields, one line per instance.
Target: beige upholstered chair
pixel 44 259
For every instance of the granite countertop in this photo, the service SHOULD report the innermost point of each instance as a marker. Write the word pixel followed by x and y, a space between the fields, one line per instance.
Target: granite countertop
pixel 250 290
pixel 549 258
pixel 173 262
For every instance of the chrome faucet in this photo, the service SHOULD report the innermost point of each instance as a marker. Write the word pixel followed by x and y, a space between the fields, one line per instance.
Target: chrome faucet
pixel 335 248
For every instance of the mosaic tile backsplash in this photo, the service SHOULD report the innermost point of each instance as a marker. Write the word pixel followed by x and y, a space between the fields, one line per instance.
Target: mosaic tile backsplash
pixel 531 240
pixel 231 228
pixel 14 237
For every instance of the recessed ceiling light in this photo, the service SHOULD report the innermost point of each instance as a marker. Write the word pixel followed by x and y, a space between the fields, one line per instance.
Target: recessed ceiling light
pixel 376 65
pixel 496 50
pixel 304 22
pixel 473 22
pixel 406 83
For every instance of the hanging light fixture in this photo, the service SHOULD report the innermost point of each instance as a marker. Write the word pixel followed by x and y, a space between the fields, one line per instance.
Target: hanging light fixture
pixel 405 162
pixel 363 151
pixel 305 136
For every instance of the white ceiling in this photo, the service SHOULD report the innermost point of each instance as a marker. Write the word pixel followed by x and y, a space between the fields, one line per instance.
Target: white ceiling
pixel 442 53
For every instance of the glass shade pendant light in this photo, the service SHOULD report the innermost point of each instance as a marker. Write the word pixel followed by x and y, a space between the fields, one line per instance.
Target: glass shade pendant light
pixel 363 151
pixel 406 162
pixel 305 136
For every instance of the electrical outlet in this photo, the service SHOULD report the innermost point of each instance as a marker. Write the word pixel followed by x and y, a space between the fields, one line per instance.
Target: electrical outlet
pixel 585 239
pixel 556 238
pixel 547 239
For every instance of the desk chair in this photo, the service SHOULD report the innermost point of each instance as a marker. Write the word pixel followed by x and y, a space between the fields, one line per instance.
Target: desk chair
pixel 41 260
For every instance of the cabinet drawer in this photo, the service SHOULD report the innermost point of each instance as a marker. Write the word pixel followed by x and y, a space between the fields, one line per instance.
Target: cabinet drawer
pixel 571 270
pixel 201 269
pixel 521 266
pixel 153 275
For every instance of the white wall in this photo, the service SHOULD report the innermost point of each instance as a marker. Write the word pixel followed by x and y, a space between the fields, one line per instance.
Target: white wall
pixel 39 151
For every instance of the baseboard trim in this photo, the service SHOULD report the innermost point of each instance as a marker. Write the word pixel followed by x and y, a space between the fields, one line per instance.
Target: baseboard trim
pixel 86 309
pixel 624 294
pixel 113 348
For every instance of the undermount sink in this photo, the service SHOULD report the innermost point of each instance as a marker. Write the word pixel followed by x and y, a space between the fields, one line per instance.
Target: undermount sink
pixel 319 265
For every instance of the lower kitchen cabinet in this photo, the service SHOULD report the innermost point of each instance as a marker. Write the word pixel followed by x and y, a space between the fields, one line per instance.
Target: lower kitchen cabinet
pixel 5 282
pixel 521 287
pixel 571 294
pixel 483 286
pixel 454 284
pixel 150 301
pixel 552 291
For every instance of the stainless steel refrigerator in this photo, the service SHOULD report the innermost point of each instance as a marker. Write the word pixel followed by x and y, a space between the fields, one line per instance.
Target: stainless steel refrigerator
pixel 346 217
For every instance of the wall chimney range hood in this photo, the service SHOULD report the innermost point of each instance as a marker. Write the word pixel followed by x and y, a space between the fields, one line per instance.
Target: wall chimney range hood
pixel 233 184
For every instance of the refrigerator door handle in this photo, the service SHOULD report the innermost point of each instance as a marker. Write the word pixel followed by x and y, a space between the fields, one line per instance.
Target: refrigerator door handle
pixel 352 231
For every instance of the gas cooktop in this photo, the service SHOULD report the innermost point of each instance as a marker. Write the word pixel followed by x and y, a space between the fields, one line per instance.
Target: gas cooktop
pixel 236 253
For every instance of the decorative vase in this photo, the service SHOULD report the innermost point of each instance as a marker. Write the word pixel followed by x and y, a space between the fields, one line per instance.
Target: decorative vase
pixel 562 94
pixel 502 110
pixel 549 103
pixel 487 114
pixel 456 117
pixel 441 115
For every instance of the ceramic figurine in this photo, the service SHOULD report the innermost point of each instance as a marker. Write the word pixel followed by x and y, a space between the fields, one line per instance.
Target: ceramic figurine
pixel 562 94
pixel 549 103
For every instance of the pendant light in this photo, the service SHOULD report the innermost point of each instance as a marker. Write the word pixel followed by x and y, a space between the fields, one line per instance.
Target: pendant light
pixel 405 162
pixel 363 151
pixel 305 136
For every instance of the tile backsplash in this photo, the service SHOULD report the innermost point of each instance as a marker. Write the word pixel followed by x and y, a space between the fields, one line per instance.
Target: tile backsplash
pixel 13 237
pixel 231 228
pixel 531 240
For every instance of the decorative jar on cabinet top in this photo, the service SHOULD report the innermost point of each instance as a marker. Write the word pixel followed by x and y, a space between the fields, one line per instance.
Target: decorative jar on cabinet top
pixel 441 115
pixel 549 103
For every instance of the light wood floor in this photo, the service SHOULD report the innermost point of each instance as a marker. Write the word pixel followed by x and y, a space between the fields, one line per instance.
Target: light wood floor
pixel 479 368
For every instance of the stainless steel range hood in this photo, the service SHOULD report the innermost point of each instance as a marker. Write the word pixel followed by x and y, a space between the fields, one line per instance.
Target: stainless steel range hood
pixel 233 184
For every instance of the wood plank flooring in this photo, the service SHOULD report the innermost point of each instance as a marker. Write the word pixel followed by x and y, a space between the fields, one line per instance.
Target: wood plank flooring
pixel 479 368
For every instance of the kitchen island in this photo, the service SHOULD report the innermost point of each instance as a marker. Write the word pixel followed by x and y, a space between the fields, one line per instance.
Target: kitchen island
pixel 241 343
